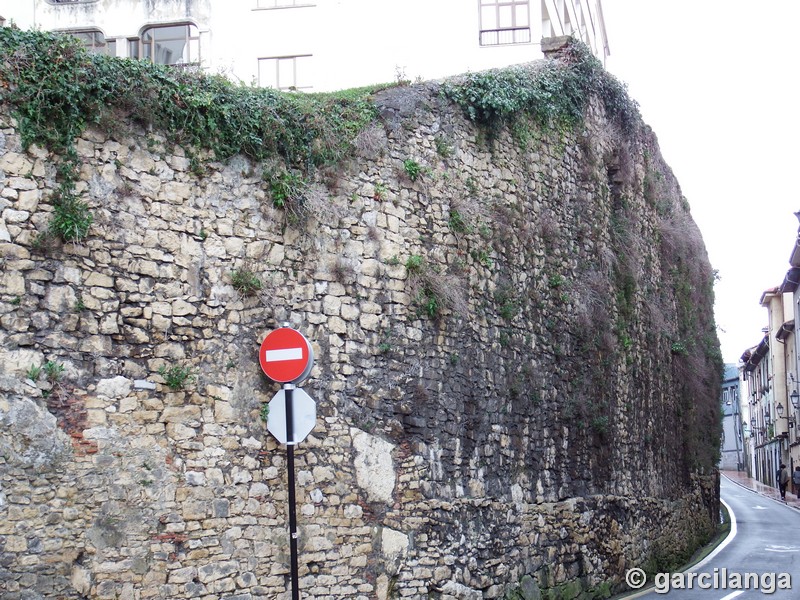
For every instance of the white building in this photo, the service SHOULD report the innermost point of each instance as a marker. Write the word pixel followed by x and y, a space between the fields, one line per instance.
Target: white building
pixel 320 45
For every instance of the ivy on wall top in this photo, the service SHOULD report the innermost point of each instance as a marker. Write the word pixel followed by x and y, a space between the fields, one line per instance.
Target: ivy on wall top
pixel 57 89
pixel 551 92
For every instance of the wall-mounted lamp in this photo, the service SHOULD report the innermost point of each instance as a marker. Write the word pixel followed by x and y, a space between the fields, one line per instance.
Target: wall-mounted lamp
pixel 795 398
pixel 779 410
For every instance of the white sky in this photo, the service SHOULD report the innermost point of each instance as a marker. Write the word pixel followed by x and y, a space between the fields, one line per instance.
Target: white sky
pixel 717 80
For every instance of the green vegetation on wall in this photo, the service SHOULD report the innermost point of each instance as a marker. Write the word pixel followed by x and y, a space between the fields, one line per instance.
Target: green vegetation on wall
pixel 191 108
pixel 57 89
pixel 552 93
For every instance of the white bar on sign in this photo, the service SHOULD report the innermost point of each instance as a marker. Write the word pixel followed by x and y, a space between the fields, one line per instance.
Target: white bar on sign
pixel 283 354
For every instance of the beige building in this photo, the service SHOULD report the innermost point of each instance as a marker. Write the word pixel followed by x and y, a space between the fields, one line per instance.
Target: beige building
pixel 791 285
pixel 770 402
pixel 320 45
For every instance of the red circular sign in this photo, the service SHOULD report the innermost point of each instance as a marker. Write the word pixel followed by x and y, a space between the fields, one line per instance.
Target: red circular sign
pixel 286 356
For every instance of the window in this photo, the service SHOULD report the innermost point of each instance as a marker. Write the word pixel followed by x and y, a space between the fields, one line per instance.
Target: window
pixel 283 3
pixel 505 22
pixel 285 72
pixel 94 41
pixel 168 45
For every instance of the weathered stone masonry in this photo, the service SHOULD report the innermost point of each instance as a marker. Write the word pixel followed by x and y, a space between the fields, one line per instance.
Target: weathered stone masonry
pixel 530 431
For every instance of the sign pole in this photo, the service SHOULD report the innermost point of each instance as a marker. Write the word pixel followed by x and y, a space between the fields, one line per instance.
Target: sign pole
pixel 286 356
pixel 288 392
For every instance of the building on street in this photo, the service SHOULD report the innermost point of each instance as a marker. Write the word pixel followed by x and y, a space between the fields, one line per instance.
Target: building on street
pixel 320 45
pixel 770 402
pixel 732 451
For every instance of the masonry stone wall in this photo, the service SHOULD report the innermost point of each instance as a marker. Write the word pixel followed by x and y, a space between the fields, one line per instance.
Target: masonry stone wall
pixel 495 368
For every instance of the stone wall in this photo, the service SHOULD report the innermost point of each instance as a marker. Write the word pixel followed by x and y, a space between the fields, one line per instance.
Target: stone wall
pixel 498 408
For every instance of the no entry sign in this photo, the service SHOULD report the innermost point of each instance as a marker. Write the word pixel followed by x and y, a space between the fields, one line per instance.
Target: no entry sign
pixel 286 356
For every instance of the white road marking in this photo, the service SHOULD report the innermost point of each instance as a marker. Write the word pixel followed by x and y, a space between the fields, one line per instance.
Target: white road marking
pixel 759 507
pixel 283 354
pixel 781 549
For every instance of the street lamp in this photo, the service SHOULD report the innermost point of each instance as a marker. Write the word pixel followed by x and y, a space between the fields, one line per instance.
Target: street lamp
pixel 795 398
pixel 779 409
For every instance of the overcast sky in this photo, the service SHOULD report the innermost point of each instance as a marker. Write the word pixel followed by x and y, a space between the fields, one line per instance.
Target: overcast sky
pixel 717 82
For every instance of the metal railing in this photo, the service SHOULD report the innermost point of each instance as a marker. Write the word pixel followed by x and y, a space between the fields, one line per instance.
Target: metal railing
pixel 506 35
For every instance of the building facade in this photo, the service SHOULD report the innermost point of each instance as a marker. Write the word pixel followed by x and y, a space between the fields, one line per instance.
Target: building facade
pixel 763 446
pixel 770 402
pixel 320 45
pixel 791 285
pixel 732 451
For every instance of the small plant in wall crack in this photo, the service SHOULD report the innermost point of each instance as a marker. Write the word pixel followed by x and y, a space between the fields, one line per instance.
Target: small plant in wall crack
pixel 286 187
pixel 79 305
pixel 33 373
pixel 415 264
pixel 508 304
pixel 433 290
pixel 443 147
pixel 457 222
pixel 245 281
pixel 429 302
pixel 53 370
pixel 380 194
pixel 412 169
pixel 264 412
pixel 176 377
pixel 71 219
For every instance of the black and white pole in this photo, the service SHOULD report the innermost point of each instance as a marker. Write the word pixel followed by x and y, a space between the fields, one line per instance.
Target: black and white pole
pixel 288 391
pixel 286 357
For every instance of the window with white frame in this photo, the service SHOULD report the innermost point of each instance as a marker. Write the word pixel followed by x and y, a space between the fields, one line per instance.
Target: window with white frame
pixel 168 45
pixel 94 41
pixel 285 72
pixel 504 22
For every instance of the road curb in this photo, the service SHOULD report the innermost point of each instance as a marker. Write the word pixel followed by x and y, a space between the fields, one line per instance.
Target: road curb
pixel 692 566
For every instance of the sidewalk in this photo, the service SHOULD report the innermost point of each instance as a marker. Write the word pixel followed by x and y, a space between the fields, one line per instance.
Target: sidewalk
pixel 741 478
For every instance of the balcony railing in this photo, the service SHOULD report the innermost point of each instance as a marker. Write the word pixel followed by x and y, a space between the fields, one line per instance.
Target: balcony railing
pixel 506 35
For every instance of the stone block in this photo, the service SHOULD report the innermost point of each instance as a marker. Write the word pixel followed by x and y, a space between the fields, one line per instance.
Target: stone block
pixel 28 200
pixel 184 575
pixel 115 387
pixel 180 414
pixel 143 384
pixel 59 299
pixel 374 465
pixel 216 571
pixel 224 412
pixel 99 279
pixel 195 478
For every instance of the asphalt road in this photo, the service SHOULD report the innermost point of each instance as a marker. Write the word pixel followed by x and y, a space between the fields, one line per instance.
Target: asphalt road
pixel 762 555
